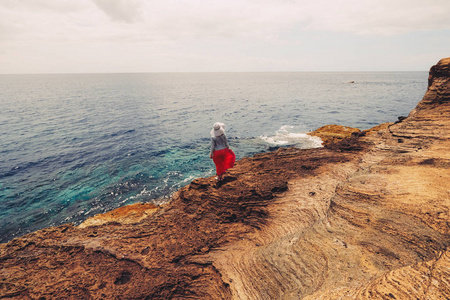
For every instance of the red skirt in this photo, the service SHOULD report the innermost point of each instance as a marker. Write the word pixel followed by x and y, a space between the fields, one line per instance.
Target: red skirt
pixel 223 159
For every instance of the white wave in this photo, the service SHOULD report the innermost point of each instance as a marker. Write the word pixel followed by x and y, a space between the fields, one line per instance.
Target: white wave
pixel 287 136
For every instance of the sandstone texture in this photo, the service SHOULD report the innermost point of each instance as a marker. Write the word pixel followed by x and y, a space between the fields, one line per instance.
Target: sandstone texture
pixel 128 214
pixel 334 133
pixel 365 217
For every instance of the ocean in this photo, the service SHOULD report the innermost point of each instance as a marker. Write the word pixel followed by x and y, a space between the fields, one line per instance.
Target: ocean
pixel 76 145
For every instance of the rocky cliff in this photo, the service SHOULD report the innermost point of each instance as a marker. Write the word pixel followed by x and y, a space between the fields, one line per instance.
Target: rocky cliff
pixel 365 217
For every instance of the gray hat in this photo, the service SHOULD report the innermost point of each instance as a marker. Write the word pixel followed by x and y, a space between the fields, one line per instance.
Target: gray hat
pixel 218 129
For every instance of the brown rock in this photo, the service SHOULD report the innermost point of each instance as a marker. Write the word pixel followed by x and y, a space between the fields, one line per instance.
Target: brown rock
pixel 129 214
pixel 379 129
pixel 365 217
pixel 334 133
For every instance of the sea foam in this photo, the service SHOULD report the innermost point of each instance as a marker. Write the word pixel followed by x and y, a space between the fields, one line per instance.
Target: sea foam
pixel 287 136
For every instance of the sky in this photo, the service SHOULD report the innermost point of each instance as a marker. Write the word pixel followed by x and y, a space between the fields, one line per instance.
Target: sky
pixel 131 36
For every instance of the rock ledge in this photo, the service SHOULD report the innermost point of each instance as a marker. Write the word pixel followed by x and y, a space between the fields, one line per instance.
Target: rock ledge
pixel 365 217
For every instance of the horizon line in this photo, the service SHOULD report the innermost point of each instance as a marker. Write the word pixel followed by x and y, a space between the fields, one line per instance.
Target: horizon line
pixel 200 72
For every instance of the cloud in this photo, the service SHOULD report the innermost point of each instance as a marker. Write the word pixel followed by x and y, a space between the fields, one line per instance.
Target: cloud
pixel 273 19
pixel 33 18
pixel 178 31
pixel 381 17
pixel 121 10
pixel 171 20
pixel 61 6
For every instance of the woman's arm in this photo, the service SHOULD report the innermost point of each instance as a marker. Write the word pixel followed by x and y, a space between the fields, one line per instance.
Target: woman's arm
pixel 212 148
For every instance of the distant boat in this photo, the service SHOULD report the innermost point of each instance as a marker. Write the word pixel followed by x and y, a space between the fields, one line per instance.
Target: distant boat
pixel 351 81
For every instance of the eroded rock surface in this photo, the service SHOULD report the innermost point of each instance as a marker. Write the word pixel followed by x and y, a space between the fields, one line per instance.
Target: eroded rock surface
pixel 334 133
pixel 363 218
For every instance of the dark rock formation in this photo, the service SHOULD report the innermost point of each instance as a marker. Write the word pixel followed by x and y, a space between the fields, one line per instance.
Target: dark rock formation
pixel 365 217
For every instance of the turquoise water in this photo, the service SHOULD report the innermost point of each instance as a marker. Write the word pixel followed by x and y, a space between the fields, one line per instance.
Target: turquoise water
pixel 73 146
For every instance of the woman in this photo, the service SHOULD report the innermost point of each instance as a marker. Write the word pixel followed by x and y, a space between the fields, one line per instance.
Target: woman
pixel 221 153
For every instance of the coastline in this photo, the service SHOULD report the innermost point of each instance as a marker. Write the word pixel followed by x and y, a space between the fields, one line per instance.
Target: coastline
pixel 364 217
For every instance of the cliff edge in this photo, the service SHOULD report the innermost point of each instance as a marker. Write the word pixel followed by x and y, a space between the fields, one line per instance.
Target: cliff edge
pixel 365 217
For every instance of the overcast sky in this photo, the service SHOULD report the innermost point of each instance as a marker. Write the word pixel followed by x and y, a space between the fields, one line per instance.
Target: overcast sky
pixel 97 36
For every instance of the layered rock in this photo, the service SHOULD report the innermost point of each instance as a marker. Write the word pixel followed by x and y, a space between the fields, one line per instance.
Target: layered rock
pixel 330 134
pixel 334 133
pixel 365 217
